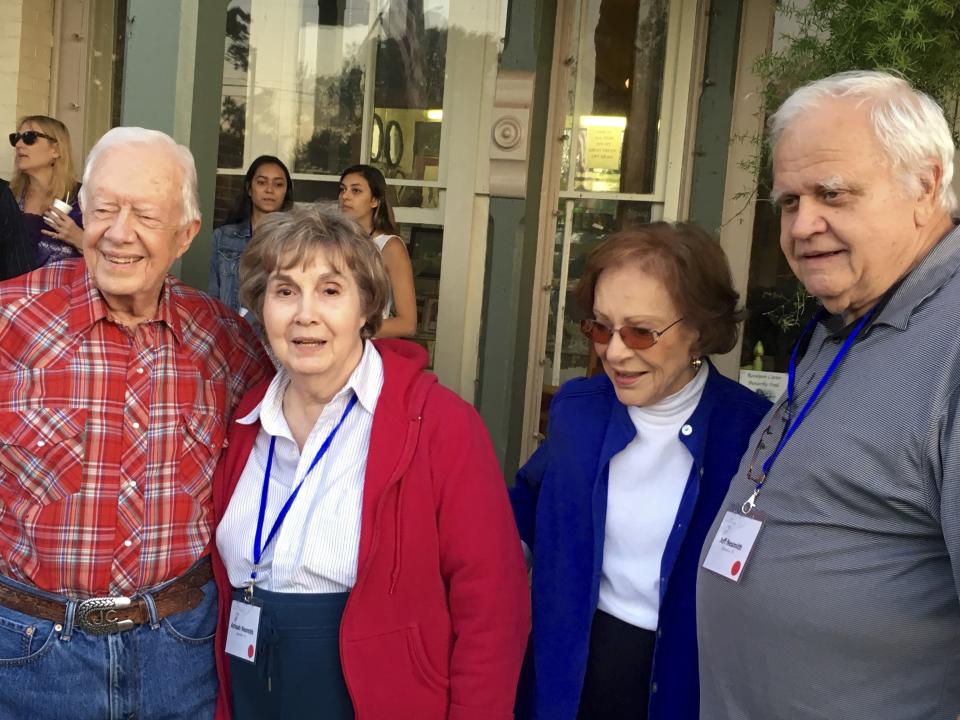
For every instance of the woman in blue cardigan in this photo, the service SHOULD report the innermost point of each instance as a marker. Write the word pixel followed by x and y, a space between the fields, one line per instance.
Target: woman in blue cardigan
pixel 615 504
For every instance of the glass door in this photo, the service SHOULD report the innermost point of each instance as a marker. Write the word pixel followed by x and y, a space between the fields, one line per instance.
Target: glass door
pixel 622 76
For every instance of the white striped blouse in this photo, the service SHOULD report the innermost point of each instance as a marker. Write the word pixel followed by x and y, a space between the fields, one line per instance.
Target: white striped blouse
pixel 315 549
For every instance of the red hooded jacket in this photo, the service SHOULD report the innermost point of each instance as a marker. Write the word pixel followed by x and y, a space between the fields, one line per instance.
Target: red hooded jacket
pixel 437 623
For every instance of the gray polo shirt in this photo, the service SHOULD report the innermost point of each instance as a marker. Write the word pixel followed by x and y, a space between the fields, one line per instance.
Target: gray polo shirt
pixel 849 607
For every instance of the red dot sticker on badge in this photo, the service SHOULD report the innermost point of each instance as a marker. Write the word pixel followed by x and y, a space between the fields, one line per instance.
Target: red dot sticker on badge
pixel 250 651
pixel 735 569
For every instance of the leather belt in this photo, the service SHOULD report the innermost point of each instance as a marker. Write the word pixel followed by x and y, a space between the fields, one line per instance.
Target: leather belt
pixel 107 615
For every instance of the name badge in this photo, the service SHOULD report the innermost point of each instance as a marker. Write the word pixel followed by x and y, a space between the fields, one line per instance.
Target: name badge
pixel 730 549
pixel 242 631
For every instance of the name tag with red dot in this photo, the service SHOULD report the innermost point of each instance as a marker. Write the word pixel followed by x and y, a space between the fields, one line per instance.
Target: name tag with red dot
pixel 242 631
pixel 730 549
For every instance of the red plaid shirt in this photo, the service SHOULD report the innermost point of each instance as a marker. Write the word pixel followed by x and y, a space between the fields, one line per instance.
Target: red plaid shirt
pixel 109 435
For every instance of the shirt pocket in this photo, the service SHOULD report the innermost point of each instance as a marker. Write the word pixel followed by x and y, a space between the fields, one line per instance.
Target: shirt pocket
pixel 202 438
pixel 42 450
pixel 231 245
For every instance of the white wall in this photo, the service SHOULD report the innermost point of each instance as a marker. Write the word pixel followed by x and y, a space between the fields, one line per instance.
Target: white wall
pixel 36 48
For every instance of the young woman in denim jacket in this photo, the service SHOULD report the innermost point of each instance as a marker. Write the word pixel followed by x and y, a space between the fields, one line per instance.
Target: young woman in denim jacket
pixel 267 187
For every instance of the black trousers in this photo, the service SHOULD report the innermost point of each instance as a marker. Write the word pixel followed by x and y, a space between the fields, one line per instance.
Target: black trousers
pixel 617 682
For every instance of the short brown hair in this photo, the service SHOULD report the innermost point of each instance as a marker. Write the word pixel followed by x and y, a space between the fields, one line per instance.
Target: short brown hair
pixel 692 267
pixel 293 238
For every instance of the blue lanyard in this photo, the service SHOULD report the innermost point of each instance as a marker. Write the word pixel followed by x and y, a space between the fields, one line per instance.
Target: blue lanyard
pixel 258 548
pixel 791 383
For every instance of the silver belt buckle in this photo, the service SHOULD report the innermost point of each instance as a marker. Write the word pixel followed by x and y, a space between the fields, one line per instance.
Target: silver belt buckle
pixel 98 616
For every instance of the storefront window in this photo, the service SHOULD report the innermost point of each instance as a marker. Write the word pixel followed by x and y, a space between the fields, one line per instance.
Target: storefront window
pixel 613 132
pixel 326 85
pixel 309 81
pixel 779 307
pixel 609 158
pixel 581 226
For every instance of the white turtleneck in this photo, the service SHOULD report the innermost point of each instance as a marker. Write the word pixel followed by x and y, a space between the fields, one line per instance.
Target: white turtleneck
pixel 646 484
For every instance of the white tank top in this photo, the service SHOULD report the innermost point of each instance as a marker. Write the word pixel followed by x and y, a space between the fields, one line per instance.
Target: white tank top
pixel 381 241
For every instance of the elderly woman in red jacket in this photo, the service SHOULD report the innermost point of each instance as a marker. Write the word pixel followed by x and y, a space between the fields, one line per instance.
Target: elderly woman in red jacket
pixel 366 555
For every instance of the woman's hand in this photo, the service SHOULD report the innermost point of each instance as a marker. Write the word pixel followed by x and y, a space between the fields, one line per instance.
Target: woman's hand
pixel 62 227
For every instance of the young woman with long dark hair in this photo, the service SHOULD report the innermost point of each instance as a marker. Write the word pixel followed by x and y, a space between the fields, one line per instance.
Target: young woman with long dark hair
pixel 267 188
pixel 363 197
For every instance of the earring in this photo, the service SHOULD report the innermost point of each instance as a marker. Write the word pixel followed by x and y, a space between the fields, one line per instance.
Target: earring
pixel 696 362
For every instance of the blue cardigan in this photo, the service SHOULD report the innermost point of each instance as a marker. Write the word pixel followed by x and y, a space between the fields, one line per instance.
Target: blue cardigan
pixel 560 504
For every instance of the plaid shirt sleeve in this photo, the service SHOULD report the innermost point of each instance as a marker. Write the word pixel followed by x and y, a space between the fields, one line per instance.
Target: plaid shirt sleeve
pixel 109 435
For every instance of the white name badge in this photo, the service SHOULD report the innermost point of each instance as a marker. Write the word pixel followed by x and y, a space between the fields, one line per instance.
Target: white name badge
pixel 730 549
pixel 242 631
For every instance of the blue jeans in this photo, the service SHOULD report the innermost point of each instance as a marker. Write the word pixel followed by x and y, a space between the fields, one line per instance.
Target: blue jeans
pixel 163 670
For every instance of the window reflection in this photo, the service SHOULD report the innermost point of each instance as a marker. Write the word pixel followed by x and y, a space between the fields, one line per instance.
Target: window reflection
pixel 236 67
pixel 408 92
pixel 308 80
pixel 581 226
pixel 779 307
pixel 614 129
pixel 324 85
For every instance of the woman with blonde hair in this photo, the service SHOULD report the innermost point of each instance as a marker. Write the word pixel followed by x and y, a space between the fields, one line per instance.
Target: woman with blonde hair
pixel 46 187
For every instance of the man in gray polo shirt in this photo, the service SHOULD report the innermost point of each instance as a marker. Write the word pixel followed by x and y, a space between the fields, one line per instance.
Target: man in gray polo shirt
pixel 847 605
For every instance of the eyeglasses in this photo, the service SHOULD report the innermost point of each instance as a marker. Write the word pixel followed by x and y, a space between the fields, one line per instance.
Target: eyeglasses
pixel 29 137
pixel 634 338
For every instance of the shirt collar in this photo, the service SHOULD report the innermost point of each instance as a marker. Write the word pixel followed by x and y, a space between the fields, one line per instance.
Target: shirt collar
pixel 365 381
pixel 939 265
pixel 87 306
pixel 898 304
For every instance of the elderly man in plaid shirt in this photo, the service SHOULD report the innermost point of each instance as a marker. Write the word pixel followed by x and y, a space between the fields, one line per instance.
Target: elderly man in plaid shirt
pixel 116 386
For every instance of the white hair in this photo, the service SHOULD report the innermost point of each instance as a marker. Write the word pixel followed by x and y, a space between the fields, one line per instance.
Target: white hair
pixel 118 136
pixel 909 125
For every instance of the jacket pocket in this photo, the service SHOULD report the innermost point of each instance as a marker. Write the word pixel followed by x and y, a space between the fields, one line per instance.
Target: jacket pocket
pixel 390 676
pixel 42 449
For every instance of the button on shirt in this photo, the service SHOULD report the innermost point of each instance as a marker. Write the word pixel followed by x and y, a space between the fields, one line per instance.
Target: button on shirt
pixel 848 606
pixel 316 548
pixel 109 435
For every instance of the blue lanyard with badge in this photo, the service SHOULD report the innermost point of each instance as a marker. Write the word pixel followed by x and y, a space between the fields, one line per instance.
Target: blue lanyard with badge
pixel 738 531
pixel 244 622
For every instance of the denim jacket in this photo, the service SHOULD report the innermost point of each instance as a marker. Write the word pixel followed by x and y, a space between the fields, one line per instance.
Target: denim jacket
pixel 228 242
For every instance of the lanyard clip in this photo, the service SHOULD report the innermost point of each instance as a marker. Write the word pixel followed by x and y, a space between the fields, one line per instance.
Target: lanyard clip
pixel 751 503
pixel 248 590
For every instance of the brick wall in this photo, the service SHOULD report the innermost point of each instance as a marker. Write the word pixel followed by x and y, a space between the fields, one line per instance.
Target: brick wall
pixel 11 19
